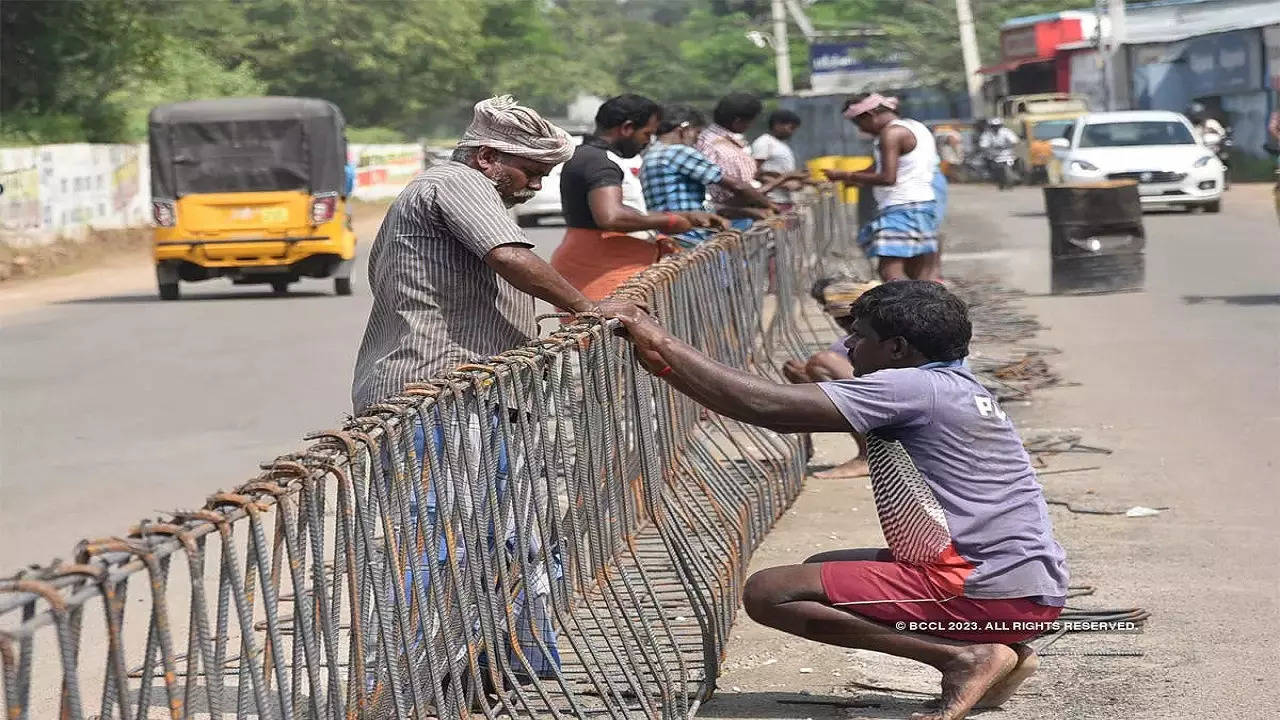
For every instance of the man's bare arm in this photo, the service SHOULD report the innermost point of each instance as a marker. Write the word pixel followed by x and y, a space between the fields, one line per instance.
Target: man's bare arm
pixel 610 213
pixel 531 274
pixel 894 141
pixel 731 392
pixel 748 193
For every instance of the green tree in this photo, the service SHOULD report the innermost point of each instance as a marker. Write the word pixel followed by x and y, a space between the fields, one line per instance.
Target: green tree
pixel 68 60
pixel 926 34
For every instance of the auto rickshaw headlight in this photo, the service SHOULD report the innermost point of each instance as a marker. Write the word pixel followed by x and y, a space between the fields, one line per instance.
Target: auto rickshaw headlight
pixel 164 213
pixel 323 207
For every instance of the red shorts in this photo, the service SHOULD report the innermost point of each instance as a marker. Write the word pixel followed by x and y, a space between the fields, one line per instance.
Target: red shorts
pixel 891 593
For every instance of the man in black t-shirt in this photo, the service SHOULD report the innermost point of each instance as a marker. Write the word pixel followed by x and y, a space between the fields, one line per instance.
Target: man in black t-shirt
pixel 607 242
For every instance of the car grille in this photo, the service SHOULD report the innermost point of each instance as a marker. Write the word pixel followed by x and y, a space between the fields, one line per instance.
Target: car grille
pixel 1155 176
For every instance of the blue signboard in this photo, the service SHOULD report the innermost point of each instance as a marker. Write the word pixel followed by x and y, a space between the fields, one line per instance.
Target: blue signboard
pixel 848 56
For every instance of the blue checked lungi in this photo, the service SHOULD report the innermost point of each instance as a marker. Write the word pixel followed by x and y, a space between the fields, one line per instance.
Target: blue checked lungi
pixel 901 231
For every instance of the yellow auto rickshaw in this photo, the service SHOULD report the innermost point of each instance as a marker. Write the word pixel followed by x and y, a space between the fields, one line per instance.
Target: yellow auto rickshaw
pixel 253 189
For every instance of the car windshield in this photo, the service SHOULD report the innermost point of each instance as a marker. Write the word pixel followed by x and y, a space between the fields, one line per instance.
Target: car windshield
pixel 1050 129
pixel 1142 132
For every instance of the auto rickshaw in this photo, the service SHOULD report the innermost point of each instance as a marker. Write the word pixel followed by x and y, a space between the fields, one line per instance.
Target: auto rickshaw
pixel 253 189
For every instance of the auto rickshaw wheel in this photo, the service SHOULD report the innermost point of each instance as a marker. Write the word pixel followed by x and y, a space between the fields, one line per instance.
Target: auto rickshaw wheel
pixel 169 291
pixel 280 287
pixel 342 286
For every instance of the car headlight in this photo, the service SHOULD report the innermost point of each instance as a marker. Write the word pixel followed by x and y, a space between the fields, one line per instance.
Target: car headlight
pixel 1204 161
pixel 1083 166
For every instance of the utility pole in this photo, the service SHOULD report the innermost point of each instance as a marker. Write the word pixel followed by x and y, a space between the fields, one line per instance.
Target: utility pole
pixel 1117 67
pixel 781 51
pixel 1111 52
pixel 969 50
pixel 1103 42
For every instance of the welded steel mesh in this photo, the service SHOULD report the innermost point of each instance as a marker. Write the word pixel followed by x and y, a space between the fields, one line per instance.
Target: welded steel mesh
pixel 552 532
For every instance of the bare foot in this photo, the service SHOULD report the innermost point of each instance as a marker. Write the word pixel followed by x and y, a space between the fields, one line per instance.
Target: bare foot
pixel 999 694
pixel 856 467
pixel 967 678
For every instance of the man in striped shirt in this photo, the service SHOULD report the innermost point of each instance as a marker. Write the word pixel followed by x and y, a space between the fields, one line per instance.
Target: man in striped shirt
pixel 723 144
pixel 452 276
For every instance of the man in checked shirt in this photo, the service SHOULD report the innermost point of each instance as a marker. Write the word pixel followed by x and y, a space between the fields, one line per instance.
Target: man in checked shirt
pixel 675 176
pixel 722 143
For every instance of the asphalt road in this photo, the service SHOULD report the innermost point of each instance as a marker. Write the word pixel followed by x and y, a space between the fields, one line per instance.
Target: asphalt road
pixel 116 406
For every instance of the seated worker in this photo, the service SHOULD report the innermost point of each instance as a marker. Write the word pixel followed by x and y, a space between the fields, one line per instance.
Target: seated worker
pixel 966 522
pixel 722 142
pixel 826 365
pixel 675 176
pixel 606 242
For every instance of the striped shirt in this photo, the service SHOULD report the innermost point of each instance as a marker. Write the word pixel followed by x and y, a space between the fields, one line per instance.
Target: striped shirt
pixel 728 150
pixel 436 304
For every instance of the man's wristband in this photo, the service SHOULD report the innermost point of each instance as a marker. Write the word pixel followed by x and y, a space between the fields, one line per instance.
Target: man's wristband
pixel 663 372
pixel 673 221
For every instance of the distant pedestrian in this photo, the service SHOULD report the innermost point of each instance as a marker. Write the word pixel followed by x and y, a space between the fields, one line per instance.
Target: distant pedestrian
pixel 607 242
pixel 1273 127
pixel 722 142
pixel 903 236
pixel 777 162
pixel 675 176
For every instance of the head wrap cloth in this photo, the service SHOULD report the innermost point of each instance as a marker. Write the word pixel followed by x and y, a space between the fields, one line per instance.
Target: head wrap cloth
pixel 871 102
pixel 506 126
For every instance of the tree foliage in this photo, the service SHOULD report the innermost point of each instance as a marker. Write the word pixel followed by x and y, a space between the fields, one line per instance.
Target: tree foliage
pixel 91 69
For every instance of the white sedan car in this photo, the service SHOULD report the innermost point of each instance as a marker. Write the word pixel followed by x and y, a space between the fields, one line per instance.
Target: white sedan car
pixel 1153 147
pixel 546 203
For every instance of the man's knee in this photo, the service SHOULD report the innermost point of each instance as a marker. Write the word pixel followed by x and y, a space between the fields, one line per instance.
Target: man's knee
pixel 760 595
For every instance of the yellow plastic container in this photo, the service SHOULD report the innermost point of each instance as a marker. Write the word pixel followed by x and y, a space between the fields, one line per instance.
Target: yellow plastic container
pixel 818 164
pixel 848 163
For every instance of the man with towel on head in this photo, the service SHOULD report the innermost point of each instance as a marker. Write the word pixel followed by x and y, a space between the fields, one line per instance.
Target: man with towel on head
pixel 454 281
pixel 452 275
pixel 903 236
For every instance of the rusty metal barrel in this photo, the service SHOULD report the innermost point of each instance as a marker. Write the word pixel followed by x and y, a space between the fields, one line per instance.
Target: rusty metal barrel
pixel 1096 237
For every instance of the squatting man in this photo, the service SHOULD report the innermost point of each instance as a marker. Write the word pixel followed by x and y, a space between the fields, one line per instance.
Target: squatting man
pixel 970 546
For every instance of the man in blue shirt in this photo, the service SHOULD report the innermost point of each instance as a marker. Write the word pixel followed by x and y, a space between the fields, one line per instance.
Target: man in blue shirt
pixel 675 176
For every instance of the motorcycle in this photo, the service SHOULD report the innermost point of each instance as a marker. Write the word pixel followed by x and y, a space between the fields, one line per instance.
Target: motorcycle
pixel 1220 144
pixel 1001 159
pixel 1003 168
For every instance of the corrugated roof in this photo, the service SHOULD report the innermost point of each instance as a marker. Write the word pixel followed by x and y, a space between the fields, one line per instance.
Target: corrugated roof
pixel 1172 20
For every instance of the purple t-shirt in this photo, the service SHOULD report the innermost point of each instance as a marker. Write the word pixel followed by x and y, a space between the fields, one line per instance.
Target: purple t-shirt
pixel 975 492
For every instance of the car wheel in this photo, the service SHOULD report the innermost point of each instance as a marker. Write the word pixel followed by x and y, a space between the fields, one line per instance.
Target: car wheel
pixel 280 287
pixel 1213 207
pixel 169 291
pixel 342 286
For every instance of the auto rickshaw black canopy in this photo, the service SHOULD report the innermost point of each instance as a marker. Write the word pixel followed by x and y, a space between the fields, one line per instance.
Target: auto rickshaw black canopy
pixel 246 145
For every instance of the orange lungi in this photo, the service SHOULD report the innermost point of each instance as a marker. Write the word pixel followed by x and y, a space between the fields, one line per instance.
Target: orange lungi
pixel 598 261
